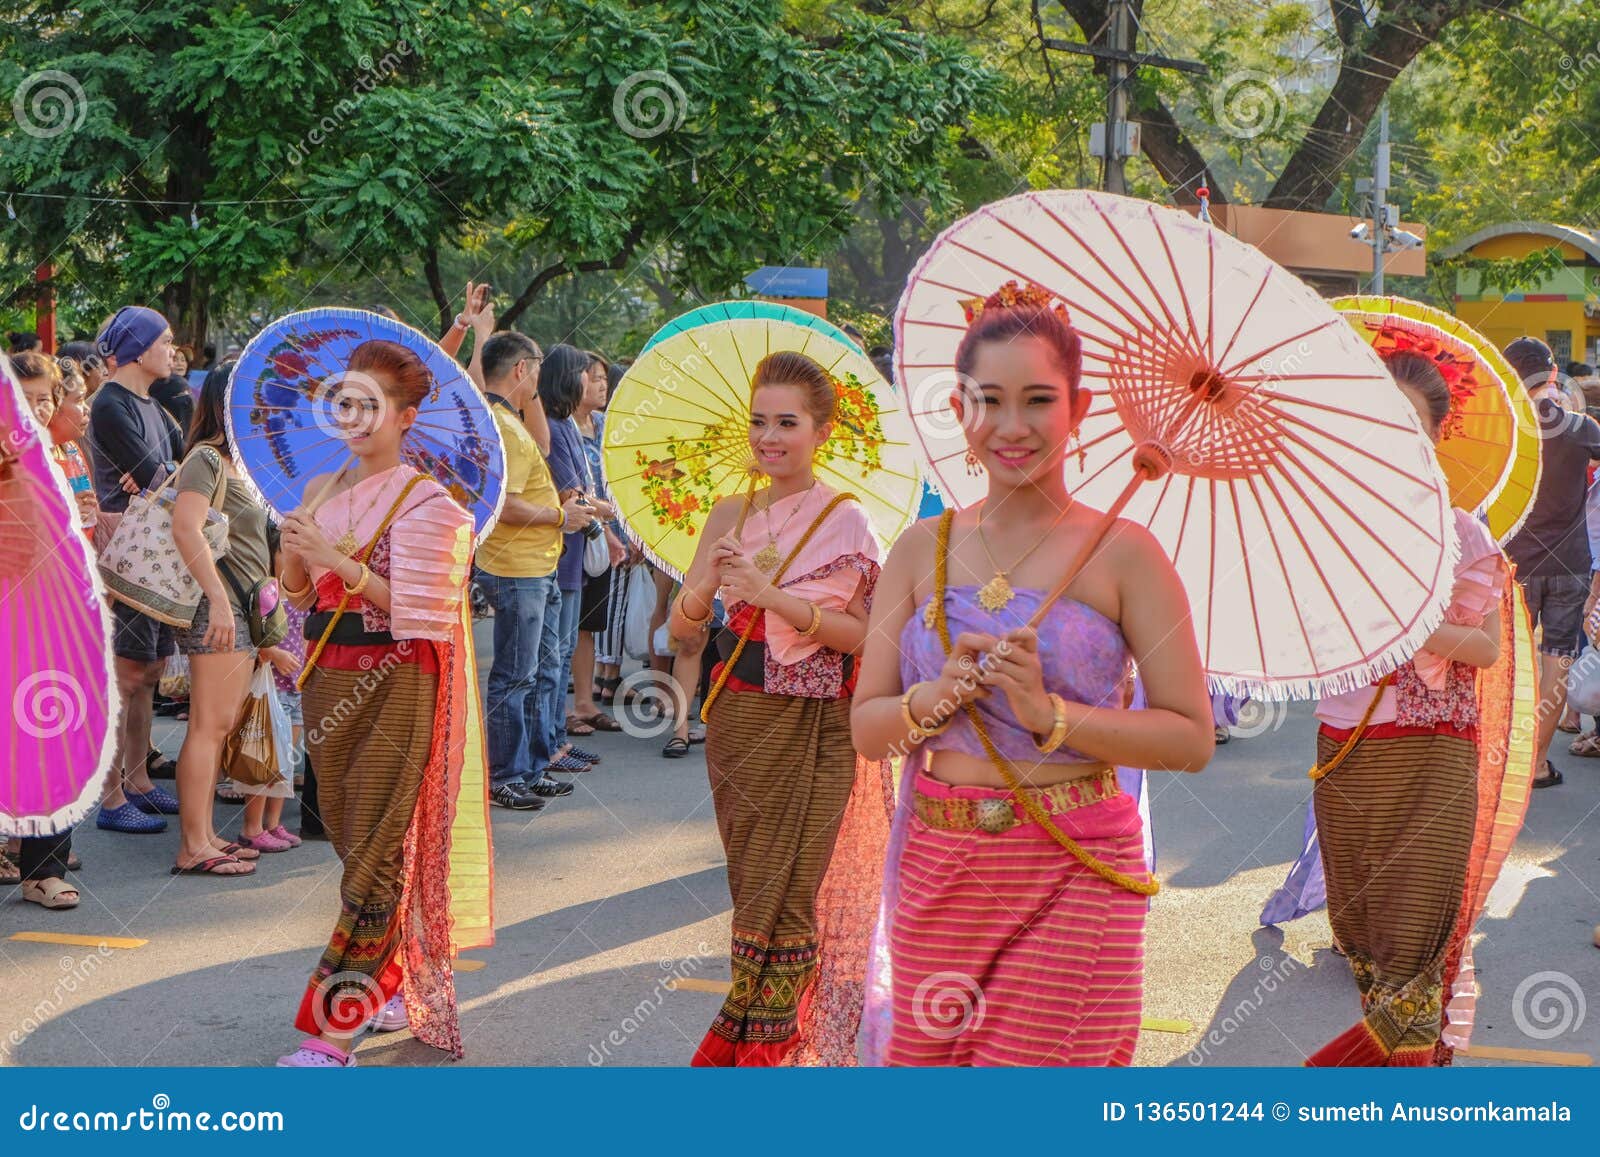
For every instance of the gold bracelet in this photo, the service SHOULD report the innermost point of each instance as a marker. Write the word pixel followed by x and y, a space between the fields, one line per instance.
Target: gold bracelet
pixel 561 517
pixel 683 610
pixel 1058 729
pixel 361 581
pixel 292 593
pixel 816 621
pixel 919 731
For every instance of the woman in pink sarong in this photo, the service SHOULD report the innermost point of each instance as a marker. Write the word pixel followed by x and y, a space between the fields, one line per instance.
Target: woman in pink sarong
pixel 1012 925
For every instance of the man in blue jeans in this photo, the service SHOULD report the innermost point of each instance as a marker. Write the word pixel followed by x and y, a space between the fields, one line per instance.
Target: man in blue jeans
pixel 516 571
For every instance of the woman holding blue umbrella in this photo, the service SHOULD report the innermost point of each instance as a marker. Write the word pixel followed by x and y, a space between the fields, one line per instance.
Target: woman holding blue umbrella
pixel 379 554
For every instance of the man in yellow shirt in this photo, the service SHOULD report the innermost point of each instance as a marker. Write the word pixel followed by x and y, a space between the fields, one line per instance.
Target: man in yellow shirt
pixel 516 570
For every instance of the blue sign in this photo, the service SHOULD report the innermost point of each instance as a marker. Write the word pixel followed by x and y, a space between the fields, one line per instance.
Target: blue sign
pixel 788 281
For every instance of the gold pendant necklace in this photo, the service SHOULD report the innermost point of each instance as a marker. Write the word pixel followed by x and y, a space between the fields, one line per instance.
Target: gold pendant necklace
pixel 996 594
pixel 768 557
pixel 347 542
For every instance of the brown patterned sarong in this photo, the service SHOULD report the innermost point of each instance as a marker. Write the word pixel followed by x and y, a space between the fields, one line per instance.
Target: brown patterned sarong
pixel 369 734
pixel 781 769
pixel 1396 822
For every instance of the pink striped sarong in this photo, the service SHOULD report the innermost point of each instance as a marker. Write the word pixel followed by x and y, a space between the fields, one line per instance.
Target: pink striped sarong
pixel 1007 951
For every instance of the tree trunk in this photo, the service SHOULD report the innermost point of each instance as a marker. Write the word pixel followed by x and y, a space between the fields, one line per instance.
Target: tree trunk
pixel 441 299
pixel 1312 172
pixel 187 302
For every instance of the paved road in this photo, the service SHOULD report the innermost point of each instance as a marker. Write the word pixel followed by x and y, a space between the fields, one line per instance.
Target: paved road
pixel 609 894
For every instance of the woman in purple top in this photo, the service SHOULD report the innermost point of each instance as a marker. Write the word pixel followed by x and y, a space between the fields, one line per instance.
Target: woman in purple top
pixel 1015 889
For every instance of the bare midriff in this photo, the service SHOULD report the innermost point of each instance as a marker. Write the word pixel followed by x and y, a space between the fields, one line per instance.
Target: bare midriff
pixel 961 770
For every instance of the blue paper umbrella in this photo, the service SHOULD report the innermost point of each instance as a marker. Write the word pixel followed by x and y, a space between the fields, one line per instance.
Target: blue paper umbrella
pixel 283 403
pixel 729 310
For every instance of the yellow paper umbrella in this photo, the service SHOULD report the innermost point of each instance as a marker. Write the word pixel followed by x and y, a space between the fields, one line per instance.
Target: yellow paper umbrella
pixel 677 433
pixel 1490 449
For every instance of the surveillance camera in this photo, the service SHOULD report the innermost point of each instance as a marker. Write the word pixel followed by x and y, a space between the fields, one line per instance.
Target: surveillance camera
pixel 1359 233
pixel 1405 239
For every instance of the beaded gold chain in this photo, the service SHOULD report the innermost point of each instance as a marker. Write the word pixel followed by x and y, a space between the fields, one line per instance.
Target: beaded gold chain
pixel 1036 812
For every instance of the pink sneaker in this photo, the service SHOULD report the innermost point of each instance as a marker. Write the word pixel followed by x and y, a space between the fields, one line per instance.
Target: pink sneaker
pixel 265 842
pixel 315 1054
pixel 284 833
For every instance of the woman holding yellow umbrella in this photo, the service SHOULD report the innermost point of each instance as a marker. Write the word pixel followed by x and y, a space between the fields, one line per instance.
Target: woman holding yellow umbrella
pixel 1422 779
pixel 762 450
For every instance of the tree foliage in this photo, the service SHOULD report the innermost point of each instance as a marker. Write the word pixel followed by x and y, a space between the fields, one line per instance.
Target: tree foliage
pixel 206 150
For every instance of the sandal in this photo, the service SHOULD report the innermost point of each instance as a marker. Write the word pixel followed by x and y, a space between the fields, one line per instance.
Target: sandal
pixel 287 836
pixel 697 733
pixel 265 842
pixel 159 766
pixel 607 694
pixel 209 867
pixel 9 872
pixel 227 793
pixel 1587 746
pixel 50 893
pixel 600 721
pixel 676 748
pixel 576 726
pixel 1550 778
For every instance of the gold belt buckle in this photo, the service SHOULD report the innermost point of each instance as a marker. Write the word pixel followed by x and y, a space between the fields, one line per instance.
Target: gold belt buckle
pixel 996 816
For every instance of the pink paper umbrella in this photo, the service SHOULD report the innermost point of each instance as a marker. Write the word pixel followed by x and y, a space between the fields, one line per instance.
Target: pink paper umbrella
pixel 56 675
pixel 1235 414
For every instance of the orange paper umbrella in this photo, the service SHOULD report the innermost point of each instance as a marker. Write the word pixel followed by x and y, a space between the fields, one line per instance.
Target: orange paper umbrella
pixel 1490 446
pixel 1267 446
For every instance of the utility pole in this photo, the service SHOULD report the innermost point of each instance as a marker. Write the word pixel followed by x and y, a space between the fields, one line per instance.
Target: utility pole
pixel 1117 139
pixel 1380 207
pixel 1114 177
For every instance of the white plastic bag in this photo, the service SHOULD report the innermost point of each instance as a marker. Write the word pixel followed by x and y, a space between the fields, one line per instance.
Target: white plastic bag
pixel 1583 683
pixel 641 597
pixel 262 687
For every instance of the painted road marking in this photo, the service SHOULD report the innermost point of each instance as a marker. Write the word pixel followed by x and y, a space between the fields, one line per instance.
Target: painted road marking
pixel 1159 1024
pixel 1530 1056
pixel 79 941
pixel 694 984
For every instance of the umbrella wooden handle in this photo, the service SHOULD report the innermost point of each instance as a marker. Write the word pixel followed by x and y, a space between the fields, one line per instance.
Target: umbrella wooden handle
pixel 322 494
pixel 749 502
pixel 1150 461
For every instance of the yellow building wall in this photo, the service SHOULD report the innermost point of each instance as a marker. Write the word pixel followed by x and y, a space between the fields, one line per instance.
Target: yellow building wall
pixel 1503 321
pixel 1522 244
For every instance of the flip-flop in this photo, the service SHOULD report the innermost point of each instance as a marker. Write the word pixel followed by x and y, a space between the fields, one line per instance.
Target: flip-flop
pixel 209 867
